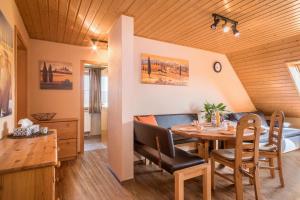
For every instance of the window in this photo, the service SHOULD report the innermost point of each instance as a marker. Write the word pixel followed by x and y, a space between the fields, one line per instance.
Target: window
pixel 104 90
pixel 295 73
pixel 86 90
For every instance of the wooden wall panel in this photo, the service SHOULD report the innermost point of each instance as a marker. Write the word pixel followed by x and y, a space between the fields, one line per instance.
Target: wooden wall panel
pixel 264 73
pixel 183 22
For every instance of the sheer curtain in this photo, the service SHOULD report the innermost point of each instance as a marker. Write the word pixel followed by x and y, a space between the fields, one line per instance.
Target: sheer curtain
pixel 95 90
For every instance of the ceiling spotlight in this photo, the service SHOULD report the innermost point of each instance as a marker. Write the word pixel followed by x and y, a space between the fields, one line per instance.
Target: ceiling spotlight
pixel 215 24
pixel 235 32
pixel 225 27
pixel 95 43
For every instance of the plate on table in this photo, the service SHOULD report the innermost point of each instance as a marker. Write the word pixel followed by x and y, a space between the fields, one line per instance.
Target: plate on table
pixel 227 132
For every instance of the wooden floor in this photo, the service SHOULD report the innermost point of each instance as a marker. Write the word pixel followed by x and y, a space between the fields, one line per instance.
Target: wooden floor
pixel 89 178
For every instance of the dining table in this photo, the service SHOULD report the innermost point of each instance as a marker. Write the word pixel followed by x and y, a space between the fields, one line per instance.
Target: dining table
pixel 206 133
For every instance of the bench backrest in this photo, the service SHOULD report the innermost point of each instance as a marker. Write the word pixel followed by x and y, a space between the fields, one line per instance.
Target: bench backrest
pixel 155 137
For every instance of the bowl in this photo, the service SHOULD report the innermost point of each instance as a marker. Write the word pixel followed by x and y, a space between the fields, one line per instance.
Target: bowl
pixel 43 116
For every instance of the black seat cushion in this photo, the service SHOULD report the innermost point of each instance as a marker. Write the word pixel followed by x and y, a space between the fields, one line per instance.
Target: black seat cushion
pixel 182 158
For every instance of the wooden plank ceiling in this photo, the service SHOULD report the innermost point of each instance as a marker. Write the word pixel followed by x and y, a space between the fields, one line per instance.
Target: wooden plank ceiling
pixel 264 73
pixel 184 22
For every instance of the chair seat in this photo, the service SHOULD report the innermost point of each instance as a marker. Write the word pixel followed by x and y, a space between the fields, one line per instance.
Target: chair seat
pixel 228 154
pixel 182 158
pixel 267 147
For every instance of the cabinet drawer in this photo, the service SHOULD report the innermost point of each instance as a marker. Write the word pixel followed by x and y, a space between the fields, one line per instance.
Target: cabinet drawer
pixel 67 149
pixel 65 130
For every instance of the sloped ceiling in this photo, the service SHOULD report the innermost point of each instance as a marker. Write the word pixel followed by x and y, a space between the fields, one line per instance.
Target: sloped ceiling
pixel 264 73
pixel 184 22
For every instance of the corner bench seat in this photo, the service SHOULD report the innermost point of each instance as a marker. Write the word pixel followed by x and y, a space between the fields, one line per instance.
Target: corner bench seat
pixel 167 121
pixel 181 160
pixel 290 136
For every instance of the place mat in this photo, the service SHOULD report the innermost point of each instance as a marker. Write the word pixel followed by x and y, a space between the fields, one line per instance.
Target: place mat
pixel 38 134
pixel 187 129
pixel 227 132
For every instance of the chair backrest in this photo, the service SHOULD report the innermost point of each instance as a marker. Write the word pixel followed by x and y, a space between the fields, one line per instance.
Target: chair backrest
pixel 155 137
pixel 247 140
pixel 275 131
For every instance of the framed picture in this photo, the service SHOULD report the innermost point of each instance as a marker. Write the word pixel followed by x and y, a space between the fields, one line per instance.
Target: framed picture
pixel 164 70
pixel 6 64
pixel 56 75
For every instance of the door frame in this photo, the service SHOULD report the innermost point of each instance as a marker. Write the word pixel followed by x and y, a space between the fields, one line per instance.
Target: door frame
pixel 81 120
pixel 18 36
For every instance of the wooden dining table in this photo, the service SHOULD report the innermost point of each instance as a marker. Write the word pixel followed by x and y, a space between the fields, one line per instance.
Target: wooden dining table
pixel 205 134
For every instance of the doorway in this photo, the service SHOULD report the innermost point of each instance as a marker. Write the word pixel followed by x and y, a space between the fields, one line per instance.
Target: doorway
pixel 21 78
pixel 94 105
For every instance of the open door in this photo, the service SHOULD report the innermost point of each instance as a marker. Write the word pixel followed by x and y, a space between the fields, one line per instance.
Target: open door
pixel 21 78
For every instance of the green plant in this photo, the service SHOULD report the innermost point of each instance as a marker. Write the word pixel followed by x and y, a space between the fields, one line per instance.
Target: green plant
pixel 210 108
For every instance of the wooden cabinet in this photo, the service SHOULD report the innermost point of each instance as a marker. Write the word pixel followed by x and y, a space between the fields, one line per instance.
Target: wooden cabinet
pixel 67 132
pixel 27 169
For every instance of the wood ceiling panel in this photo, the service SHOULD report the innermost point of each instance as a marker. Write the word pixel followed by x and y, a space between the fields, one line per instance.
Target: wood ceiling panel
pixel 184 22
pixel 270 88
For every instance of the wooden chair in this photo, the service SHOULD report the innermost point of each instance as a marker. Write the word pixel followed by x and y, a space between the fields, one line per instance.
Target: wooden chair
pixel 244 158
pixel 272 149
pixel 157 145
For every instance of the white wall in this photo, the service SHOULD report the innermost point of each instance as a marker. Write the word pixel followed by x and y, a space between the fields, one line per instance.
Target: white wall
pixel 120 126
pixel 10 11
pixel 204 83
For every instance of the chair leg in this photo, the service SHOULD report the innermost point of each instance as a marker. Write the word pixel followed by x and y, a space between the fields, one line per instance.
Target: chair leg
pixel 257 185
pixel 238 180
pixel 280 169
pixel 272 170
pixel 179 187
pixel 212 172
pixel 206 182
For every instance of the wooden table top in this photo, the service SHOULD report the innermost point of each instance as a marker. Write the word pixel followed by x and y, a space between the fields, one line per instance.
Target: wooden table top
pixel 28 153
pixel 208 133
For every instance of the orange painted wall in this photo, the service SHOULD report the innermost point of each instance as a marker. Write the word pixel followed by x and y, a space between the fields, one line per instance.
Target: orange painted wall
pixel 66 103
pixel 10 11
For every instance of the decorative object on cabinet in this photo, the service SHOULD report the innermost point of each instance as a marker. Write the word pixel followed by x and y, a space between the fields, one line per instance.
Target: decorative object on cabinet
pixel 56 75
pixel 6 63
pixel 163 70
pixel 43 116
pixel 67 133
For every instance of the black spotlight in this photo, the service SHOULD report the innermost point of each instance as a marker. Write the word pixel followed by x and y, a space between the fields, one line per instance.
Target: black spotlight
pixel 235 32
pixel 215 24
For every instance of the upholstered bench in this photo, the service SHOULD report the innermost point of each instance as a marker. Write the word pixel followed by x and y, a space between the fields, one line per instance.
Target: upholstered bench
pixel 168 120
pixel 157 145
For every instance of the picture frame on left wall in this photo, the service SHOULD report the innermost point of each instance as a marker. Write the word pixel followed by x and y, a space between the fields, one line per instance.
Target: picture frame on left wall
pixel 6 66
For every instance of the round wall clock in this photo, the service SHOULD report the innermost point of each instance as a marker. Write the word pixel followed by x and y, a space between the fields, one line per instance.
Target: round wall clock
pixel 217 67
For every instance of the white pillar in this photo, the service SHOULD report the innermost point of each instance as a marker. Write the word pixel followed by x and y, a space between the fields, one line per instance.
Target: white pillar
pixel 120 105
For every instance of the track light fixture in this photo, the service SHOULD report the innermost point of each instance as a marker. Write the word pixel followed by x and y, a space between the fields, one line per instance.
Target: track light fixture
pixel 94 43
pixel 225 26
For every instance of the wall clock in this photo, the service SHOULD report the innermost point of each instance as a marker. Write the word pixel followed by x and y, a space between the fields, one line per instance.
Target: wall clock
pixel 217 67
